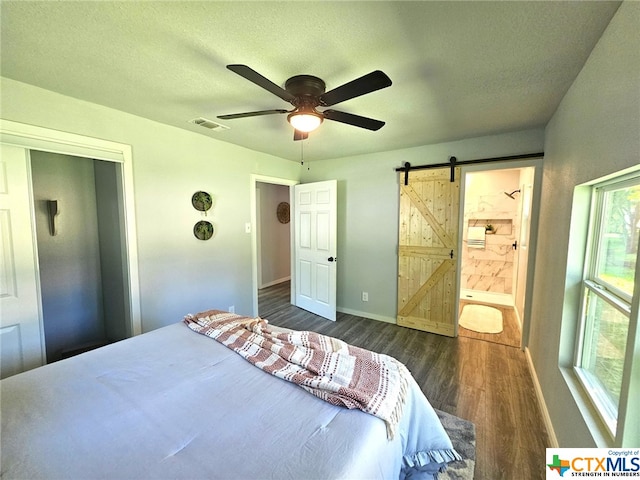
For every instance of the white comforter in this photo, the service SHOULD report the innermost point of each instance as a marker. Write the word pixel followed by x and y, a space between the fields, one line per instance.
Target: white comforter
pixel 175 404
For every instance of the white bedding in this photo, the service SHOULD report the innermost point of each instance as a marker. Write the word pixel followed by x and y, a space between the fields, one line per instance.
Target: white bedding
pixel 168 404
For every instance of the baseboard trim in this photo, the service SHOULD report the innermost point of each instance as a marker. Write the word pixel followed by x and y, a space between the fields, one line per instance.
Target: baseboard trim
pixel 372 316
pixel 518 319
pixel 490 298
pixel 541 403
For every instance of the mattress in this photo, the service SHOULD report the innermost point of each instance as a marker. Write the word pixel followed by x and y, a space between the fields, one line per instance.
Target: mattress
pixel 175 404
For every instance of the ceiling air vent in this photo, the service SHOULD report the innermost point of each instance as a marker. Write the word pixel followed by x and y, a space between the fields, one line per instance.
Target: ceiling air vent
pixel 210 124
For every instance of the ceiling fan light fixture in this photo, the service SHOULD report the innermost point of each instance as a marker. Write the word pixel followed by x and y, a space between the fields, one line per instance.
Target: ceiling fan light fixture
pixel 306 92
pixel 305 120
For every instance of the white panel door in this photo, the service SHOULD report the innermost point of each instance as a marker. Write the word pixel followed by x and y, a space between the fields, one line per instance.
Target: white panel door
pixel 20 331
pixel 315 247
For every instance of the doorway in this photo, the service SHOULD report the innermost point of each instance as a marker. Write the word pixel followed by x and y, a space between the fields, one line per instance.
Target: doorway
pixel 312 243
pixel 273 235
pixel 261 184
pixel 496 226
pixel 79 245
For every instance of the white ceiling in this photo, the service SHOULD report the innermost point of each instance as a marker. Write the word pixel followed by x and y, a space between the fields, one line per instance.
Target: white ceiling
pixel 459 69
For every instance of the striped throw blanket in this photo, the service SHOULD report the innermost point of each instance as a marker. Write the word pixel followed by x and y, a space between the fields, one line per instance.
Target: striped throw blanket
pixel 330 369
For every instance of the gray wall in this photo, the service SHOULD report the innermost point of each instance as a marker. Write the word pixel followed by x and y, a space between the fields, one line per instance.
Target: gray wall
pixel 594 132
pixel 109 208
pixel 178 274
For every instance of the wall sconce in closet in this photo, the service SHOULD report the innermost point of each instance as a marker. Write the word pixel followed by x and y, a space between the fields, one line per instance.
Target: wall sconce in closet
pixel 52 207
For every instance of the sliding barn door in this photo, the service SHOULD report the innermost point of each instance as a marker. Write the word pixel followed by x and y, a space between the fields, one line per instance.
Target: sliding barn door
pixel 428 246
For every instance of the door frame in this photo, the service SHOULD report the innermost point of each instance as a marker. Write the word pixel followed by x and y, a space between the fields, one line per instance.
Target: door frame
pixel 253 181
pixel 537 164
pixel 33 137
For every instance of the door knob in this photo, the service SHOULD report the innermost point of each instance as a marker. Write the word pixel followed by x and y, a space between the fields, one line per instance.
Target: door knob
pixel 331 259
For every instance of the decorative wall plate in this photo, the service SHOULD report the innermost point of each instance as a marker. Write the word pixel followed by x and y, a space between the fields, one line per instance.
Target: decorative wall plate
pixel 283 212
pixel 201 201
pixel 203 230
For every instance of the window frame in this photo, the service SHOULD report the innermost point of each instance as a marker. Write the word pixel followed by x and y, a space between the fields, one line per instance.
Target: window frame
pixel 591 283
pixel 599 191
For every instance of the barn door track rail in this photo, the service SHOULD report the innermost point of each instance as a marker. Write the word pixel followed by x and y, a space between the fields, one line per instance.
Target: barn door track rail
pixel 453 163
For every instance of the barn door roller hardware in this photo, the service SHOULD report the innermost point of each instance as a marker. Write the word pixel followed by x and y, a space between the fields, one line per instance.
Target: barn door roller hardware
pixel 453 163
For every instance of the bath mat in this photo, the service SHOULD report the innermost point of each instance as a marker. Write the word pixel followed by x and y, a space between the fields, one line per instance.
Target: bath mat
pixel 481 318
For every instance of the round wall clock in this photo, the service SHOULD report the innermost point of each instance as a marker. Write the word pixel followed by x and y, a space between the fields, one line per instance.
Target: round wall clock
pixel 203 230
pixel 201 201
pixel 283 212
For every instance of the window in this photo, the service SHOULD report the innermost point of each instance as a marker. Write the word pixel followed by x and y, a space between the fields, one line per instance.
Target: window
pixel 608 291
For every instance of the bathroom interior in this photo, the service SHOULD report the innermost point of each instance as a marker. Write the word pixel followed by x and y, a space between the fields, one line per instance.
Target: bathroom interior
pixel 496 223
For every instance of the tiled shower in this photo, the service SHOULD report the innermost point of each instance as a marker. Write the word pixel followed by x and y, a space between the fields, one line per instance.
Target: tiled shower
pixel 489 260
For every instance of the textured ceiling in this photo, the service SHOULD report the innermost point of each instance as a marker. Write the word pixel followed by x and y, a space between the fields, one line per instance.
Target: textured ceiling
pixel 459 69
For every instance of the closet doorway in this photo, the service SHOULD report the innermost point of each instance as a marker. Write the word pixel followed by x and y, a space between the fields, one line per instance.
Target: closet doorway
pixel 22 329
pixel 80 247
pixel 499 205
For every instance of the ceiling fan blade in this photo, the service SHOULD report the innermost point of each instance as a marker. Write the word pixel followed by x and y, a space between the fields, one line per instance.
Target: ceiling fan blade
pixel 251 114
pixel 298 135
pixel 351 119
pixel 366 84
pixel 253 76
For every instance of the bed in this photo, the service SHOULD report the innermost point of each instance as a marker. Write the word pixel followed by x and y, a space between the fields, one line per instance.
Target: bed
pixel 172 403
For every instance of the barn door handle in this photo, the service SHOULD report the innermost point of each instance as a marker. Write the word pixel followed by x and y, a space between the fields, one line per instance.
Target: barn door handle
pixel 451 254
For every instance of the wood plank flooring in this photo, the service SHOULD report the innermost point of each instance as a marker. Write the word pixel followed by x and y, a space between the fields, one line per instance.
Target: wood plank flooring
pixel 485 382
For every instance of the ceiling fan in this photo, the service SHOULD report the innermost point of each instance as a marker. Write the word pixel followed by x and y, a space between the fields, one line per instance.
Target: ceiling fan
pixel 306 93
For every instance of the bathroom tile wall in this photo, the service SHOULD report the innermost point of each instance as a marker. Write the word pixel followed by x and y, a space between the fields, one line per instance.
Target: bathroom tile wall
pixel 491 269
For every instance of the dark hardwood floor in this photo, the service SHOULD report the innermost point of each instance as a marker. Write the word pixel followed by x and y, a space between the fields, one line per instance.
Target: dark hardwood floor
pixel 485 382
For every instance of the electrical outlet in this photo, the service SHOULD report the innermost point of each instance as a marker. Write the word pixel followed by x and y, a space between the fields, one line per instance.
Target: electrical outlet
pixel 232 309
pixel 365 296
